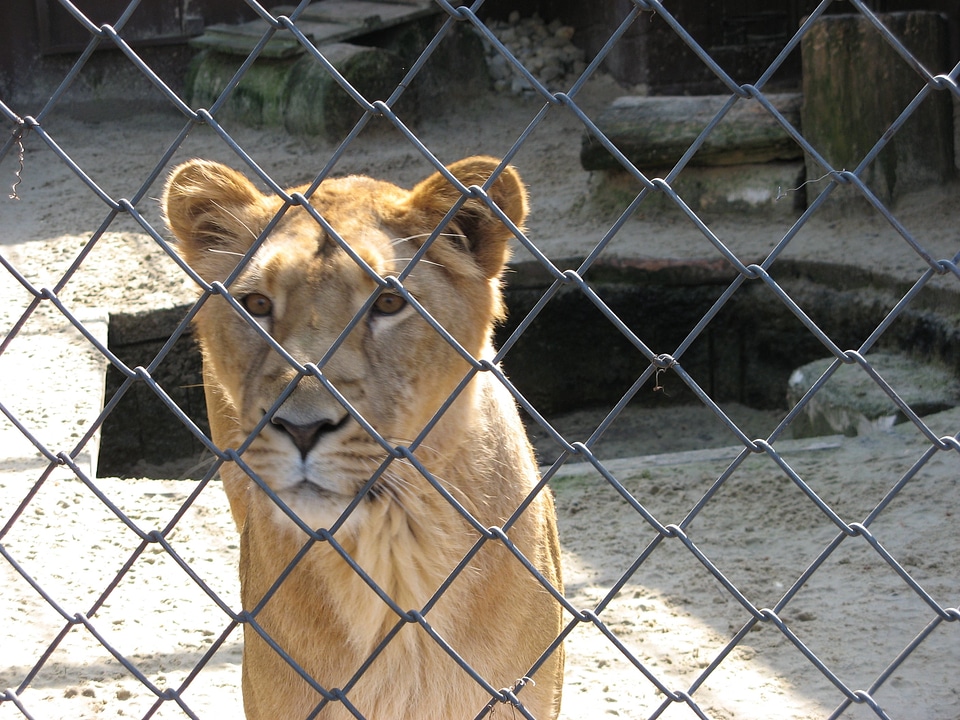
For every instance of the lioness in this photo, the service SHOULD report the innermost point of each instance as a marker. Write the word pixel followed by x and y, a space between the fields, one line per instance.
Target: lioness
pixel 396 372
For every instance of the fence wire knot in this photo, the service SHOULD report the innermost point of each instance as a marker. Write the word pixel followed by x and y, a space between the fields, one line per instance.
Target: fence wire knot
pixel 18 173
pixel 663 363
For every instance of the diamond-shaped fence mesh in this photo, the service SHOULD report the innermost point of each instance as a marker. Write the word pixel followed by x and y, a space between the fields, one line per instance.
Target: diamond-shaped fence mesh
pixel 760 576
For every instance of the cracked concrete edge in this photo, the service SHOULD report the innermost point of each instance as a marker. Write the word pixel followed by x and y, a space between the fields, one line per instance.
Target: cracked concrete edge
pixel 619 467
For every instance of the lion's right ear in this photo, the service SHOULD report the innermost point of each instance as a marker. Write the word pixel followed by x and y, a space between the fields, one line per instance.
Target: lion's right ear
pixel 482 235
pixel 215 212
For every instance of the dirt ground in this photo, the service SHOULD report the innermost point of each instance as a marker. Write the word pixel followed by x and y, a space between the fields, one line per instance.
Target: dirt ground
pixel 761 528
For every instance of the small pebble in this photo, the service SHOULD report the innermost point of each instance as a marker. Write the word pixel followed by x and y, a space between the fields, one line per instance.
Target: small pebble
pixel 546 51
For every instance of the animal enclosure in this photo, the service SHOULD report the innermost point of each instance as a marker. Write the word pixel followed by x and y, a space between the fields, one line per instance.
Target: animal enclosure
pixel 715 564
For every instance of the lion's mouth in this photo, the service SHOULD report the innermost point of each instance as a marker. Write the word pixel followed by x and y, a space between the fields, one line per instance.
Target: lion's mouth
pixel 310 487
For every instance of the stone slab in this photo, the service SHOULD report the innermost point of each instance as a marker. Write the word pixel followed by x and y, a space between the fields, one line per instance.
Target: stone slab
pixel 297 93
pixel 852 403
pixel 241 40
pixel 764 188
pixel 368 14
pixel 329 21
pixel 655 132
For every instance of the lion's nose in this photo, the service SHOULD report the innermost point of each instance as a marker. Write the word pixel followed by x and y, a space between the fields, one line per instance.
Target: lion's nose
pixel 305 437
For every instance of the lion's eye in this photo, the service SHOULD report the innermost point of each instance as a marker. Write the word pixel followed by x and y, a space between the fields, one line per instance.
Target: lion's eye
pixel 257 305
pixel 389 304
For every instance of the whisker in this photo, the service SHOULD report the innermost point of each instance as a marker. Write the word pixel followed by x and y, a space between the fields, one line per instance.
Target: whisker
pixel 406 260
pixel 457 493
pixel 245 226
pixel 408 442
pixel 395 241
pixel 394 485
pixel 225 252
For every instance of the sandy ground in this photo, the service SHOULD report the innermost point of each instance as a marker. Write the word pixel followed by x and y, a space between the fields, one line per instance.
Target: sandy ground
pixel 854 615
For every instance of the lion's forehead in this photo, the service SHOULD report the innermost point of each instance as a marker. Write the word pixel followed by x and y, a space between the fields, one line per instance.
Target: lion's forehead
pixel 339 263
pixel 304 248
pixel 336 283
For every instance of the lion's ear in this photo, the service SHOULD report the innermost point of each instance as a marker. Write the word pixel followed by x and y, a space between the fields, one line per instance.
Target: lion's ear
pixel 215 212
pixel 482 233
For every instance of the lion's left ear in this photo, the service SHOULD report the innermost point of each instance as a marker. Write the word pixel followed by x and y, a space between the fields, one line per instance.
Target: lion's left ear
pixel 483 233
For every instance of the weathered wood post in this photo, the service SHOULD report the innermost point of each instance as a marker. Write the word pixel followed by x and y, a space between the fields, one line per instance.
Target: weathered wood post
pixel 855 85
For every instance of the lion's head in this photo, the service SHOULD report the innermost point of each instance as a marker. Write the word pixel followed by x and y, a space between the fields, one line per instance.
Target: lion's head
pixel 327 304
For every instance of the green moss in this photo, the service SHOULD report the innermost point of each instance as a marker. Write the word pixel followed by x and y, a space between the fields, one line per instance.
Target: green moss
pixel 298 94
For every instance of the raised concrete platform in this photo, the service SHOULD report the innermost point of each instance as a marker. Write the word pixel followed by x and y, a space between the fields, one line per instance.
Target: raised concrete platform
pixel 330 21
pixel 370 44
pixel 657 131
pixel 53 384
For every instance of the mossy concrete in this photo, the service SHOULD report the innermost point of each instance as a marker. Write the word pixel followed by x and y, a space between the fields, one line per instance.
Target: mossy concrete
pixel 767 188
pixel 316 104
pixel 748 162
pixel 655 132
pixel 852 403
pixel 298 94
pixel 855 86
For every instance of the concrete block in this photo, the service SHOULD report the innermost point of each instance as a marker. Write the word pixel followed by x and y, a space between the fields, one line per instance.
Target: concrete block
pixel 296 93
pixel 759 188
pixel 655 132
pixel 316 104
pixel 851 403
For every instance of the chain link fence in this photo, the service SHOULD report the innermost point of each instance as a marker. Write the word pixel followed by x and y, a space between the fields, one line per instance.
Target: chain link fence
pixel 864 526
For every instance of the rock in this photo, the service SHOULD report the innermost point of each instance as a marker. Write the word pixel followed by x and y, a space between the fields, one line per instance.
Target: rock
pixel 851 403
pixel 546 51
pixel 316 104
pixel 297 92
pixel 654 132
pixel 855 85
pixel 709 191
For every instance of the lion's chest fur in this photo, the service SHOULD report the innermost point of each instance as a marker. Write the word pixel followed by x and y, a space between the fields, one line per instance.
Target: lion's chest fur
pixel 337 617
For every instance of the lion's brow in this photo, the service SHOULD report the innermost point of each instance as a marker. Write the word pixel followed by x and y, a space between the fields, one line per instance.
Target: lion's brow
pixel 326 244
pixel 397 241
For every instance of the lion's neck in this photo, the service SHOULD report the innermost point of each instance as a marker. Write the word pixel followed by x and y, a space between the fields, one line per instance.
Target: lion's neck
pixel 389 544
pixel 406 543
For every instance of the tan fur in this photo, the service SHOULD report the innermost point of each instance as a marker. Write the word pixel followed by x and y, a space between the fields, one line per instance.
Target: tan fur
pixel 396 371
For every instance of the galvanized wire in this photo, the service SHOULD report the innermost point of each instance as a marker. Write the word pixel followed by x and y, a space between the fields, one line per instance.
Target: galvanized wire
pixel 846 530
